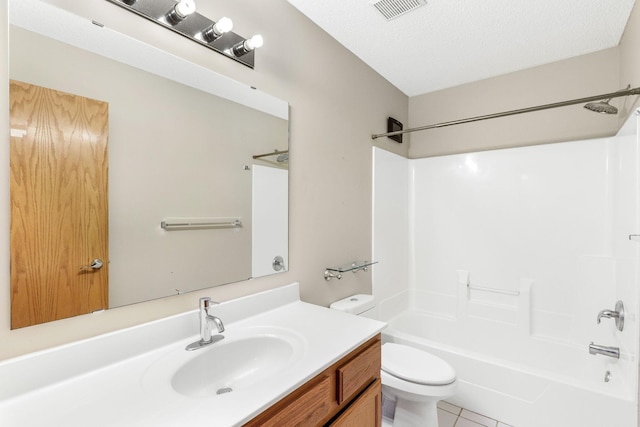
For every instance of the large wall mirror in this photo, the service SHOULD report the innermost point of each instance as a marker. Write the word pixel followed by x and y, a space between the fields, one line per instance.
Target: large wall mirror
pixel 195 167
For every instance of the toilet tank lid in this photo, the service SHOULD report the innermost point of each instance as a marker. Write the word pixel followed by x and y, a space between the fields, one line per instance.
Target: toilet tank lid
pixel 354 304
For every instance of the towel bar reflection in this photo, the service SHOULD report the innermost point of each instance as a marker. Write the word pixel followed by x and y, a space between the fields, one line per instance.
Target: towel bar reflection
pixel 199 225
pixel 494 290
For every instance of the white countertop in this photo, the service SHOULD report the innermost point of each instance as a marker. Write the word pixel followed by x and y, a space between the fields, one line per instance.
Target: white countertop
pixel 117 379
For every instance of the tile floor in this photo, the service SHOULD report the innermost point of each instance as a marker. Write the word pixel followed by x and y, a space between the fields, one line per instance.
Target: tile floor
pixel 452 416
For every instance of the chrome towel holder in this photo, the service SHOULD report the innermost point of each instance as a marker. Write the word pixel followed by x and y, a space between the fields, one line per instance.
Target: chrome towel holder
pixel 191 224
pixel 354 267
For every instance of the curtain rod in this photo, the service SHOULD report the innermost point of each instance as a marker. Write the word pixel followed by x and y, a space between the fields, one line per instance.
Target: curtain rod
pixel 624 92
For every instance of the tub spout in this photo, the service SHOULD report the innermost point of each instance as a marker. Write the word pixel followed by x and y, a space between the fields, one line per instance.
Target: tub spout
pixel 604 350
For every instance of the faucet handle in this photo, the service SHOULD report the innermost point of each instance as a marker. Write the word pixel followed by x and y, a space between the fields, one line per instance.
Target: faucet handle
pixel 606 313
pixel 207 302
pixel 617 314
pixel 204 303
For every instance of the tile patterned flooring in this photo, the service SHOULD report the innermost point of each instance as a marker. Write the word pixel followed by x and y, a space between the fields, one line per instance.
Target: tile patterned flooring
pixel 452 416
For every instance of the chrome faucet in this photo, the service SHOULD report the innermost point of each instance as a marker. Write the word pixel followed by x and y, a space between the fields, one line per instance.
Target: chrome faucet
pixel 207 323
pixel 604 350
pixel 617 314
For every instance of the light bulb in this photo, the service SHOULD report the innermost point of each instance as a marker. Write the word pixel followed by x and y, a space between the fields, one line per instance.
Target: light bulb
pixel 247 46
pixel 185 8
pixel 224 25
pixel 254 42
pixel 180 11
pixel 215 31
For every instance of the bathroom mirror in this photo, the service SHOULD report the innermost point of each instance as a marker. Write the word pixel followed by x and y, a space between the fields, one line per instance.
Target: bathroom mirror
pixel 189 207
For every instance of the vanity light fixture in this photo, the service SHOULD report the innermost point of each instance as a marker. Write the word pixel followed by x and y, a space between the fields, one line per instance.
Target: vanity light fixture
pixel 181 17
pixel 246 46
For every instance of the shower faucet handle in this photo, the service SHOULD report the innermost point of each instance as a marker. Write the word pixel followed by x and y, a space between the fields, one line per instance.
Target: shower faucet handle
pixel 617 314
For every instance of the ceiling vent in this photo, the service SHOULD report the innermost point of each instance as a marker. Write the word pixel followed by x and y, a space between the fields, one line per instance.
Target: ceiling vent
pixel 391 9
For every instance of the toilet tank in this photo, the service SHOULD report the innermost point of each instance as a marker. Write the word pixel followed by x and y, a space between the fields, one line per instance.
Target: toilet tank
pixel 360 304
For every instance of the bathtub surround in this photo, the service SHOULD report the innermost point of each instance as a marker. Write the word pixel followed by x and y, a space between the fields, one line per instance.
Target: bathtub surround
pixel 392 219
pixel 514 253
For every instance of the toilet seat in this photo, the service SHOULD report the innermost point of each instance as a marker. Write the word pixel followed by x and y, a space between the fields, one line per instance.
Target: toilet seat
pixel 416 366
pixel 416 392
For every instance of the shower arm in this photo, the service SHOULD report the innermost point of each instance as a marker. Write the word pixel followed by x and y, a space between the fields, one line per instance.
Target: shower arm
pixel 275 153
pixel 617 94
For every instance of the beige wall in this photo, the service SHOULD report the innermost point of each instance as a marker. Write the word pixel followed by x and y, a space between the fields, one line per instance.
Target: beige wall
pixel 629 57
pixel 578 77
pixel 597 73
pixel 336 104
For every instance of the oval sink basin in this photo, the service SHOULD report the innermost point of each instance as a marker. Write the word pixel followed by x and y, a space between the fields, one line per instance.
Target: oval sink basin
pixel 246 358
pixel 233 365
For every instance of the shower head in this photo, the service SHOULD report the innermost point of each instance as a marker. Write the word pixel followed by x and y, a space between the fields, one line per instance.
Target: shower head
pixel 284 157
pixel 602 107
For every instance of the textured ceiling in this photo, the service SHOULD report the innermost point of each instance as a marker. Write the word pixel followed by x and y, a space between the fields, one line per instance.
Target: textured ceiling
pixel 451 42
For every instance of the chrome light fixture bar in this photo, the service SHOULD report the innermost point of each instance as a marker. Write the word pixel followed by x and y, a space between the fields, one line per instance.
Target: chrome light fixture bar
pixel 182 18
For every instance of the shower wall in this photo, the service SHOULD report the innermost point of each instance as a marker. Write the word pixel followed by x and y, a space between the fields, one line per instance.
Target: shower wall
pixel 554 217
pixel 391 243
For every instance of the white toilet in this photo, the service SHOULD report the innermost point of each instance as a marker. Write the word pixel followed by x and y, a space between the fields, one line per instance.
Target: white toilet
pixel 413 381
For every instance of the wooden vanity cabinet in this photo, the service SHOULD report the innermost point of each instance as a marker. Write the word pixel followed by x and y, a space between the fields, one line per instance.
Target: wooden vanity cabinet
pixel 347 394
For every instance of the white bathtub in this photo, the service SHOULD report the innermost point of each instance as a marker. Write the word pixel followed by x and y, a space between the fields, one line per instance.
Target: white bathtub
pixel 556 386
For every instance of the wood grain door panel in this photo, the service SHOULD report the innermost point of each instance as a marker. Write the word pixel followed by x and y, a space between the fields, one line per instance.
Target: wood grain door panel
pixel 59 204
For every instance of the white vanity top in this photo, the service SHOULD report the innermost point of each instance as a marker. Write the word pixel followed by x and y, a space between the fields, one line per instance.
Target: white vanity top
pixel 124 378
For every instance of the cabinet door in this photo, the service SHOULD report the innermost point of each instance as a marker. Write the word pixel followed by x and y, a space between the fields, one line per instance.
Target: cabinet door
pixel 304 408
pixel 365 411
pixel 356 374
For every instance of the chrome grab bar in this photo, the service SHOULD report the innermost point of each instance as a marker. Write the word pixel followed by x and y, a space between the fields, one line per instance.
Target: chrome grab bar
pixel 494 290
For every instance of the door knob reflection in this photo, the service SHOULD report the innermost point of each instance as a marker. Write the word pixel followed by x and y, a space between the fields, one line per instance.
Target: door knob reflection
pixel 96 264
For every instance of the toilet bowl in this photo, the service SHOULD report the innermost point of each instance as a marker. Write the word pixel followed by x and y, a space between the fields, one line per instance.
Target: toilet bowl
pixel 413 381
